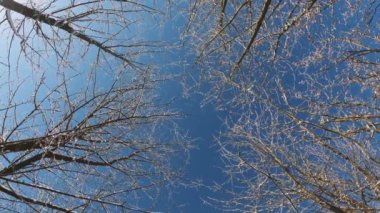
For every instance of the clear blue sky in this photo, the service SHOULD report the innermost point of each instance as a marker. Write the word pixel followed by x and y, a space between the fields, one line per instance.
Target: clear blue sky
pixel 201 124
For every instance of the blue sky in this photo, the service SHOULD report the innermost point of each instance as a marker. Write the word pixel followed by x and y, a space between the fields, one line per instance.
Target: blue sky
pixel 201 123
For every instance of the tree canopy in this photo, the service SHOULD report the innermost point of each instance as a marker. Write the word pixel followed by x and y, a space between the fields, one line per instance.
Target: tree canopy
pixel 85 127
pixel 80 120
pixel 300 80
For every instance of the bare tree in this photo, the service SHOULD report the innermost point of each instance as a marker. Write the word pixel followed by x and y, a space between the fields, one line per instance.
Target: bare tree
pixel 301 82
pixel 67 27
pixel 80 120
